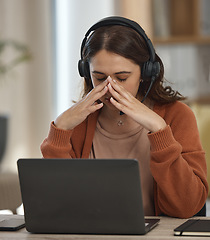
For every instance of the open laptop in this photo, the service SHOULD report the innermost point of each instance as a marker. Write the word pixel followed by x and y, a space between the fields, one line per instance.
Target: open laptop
pixel 83 196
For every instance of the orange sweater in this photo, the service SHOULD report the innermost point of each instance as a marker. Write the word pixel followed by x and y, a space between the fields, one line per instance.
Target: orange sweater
pixel 177 163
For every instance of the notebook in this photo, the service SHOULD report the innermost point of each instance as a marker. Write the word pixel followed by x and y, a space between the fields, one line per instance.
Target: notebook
pixel 194 227
pixel 83 196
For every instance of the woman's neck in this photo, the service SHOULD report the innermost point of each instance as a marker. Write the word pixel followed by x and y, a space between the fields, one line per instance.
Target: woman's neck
pixel 111 121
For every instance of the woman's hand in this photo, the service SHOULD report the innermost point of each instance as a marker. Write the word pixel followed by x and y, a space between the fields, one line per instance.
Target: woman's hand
pixel 79 111
pixel 132 107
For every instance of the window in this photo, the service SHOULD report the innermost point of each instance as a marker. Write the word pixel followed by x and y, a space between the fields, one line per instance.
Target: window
pixel 72 19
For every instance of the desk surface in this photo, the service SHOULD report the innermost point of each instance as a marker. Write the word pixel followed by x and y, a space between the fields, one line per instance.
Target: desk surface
pixel 164 230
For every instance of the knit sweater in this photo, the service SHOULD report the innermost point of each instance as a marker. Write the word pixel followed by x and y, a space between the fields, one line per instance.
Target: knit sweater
pixel 177 162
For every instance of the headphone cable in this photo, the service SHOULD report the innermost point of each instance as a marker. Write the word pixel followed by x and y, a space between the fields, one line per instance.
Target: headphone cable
pixel 150 86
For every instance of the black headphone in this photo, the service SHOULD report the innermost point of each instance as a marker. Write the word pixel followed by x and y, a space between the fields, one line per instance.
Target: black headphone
pixel 150 69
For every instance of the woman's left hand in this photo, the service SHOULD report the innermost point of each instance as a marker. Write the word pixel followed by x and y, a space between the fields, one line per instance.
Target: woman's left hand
pixel 132 107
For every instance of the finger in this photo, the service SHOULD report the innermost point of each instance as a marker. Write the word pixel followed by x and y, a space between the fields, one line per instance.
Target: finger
pixel 96 94
pixel 100 86
pixel 118 105
pixel 95 107
pixel 117 96
pixel 120 89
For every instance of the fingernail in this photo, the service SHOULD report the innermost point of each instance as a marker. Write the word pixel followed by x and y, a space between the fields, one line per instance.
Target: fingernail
pixel 114 80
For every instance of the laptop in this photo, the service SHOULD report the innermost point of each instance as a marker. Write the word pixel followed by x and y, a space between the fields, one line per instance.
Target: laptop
pixel 83 196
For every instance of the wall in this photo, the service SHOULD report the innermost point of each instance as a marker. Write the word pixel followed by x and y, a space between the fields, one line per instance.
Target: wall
pixel 71 26
pixel 26 92
pixel 187 68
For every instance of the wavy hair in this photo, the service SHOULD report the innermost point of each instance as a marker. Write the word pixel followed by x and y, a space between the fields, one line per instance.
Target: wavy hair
pixel 127 43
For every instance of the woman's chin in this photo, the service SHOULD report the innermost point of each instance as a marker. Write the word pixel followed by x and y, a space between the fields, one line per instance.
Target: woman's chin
pixel 109 106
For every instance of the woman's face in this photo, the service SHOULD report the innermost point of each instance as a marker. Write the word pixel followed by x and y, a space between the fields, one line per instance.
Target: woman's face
pixel 121 69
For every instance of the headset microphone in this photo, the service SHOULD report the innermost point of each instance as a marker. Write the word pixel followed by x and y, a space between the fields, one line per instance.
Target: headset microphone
pixel 150 86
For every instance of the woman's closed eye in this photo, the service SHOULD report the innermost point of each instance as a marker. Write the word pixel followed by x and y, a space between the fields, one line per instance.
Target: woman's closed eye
pixel 122 76
pixel 99 76
pixel 117 78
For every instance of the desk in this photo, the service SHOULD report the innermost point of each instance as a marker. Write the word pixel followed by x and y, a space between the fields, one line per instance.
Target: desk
pixel 163 231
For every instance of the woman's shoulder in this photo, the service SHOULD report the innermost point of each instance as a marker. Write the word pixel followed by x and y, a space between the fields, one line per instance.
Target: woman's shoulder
pixel 176 109
pixel 178 106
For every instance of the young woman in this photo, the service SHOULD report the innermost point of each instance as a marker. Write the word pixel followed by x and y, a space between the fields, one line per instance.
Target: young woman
pixel 127 112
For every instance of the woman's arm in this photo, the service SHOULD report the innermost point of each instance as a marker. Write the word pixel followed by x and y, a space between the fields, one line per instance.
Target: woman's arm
pixel 178 165
pixel 178 162
pixel 57 144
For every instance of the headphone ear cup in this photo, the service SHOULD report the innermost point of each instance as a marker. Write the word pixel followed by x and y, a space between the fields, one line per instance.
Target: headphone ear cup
pixel 84 69
pixel 146 70
pixel 81 68
pixel 150 69
pixel 156 69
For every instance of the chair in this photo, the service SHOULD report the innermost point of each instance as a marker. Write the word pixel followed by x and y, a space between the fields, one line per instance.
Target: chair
pixel 10 195
pixel 202 212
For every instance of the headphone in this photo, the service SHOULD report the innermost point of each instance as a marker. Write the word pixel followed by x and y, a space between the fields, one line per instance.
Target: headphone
pixel 150 69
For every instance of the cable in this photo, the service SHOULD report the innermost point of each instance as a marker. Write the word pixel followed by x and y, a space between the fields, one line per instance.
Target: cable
pixel 150 86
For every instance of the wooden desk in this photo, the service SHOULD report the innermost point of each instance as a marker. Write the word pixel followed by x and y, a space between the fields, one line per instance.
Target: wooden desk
pixel 163 231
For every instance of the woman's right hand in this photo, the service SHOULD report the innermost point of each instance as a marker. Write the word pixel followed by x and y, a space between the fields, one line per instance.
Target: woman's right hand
pixel 79 111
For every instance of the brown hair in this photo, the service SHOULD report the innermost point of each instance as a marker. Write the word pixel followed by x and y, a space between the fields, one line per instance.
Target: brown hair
pixel 127 43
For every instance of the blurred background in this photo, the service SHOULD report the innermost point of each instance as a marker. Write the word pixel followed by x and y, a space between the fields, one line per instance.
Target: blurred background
pixel 39 51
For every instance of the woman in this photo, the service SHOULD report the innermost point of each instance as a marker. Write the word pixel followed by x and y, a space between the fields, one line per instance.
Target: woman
pixel 127 112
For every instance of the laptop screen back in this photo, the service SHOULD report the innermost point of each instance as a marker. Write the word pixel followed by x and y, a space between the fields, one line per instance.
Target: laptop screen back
pixel 85 196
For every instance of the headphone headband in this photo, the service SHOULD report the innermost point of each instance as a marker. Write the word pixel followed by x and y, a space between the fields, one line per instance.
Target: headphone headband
pixel 150 69
pixel 109 21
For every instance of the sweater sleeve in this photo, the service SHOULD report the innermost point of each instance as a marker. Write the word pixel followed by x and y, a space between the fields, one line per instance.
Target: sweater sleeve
pixel 57 144
pixel 178 166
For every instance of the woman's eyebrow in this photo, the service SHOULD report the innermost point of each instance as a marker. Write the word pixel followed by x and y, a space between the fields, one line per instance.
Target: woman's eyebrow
pixel 96 72
pixel 123 72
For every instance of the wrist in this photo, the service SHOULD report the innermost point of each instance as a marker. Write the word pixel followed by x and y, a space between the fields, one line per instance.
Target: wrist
pixel 158 126
pixel 61 123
